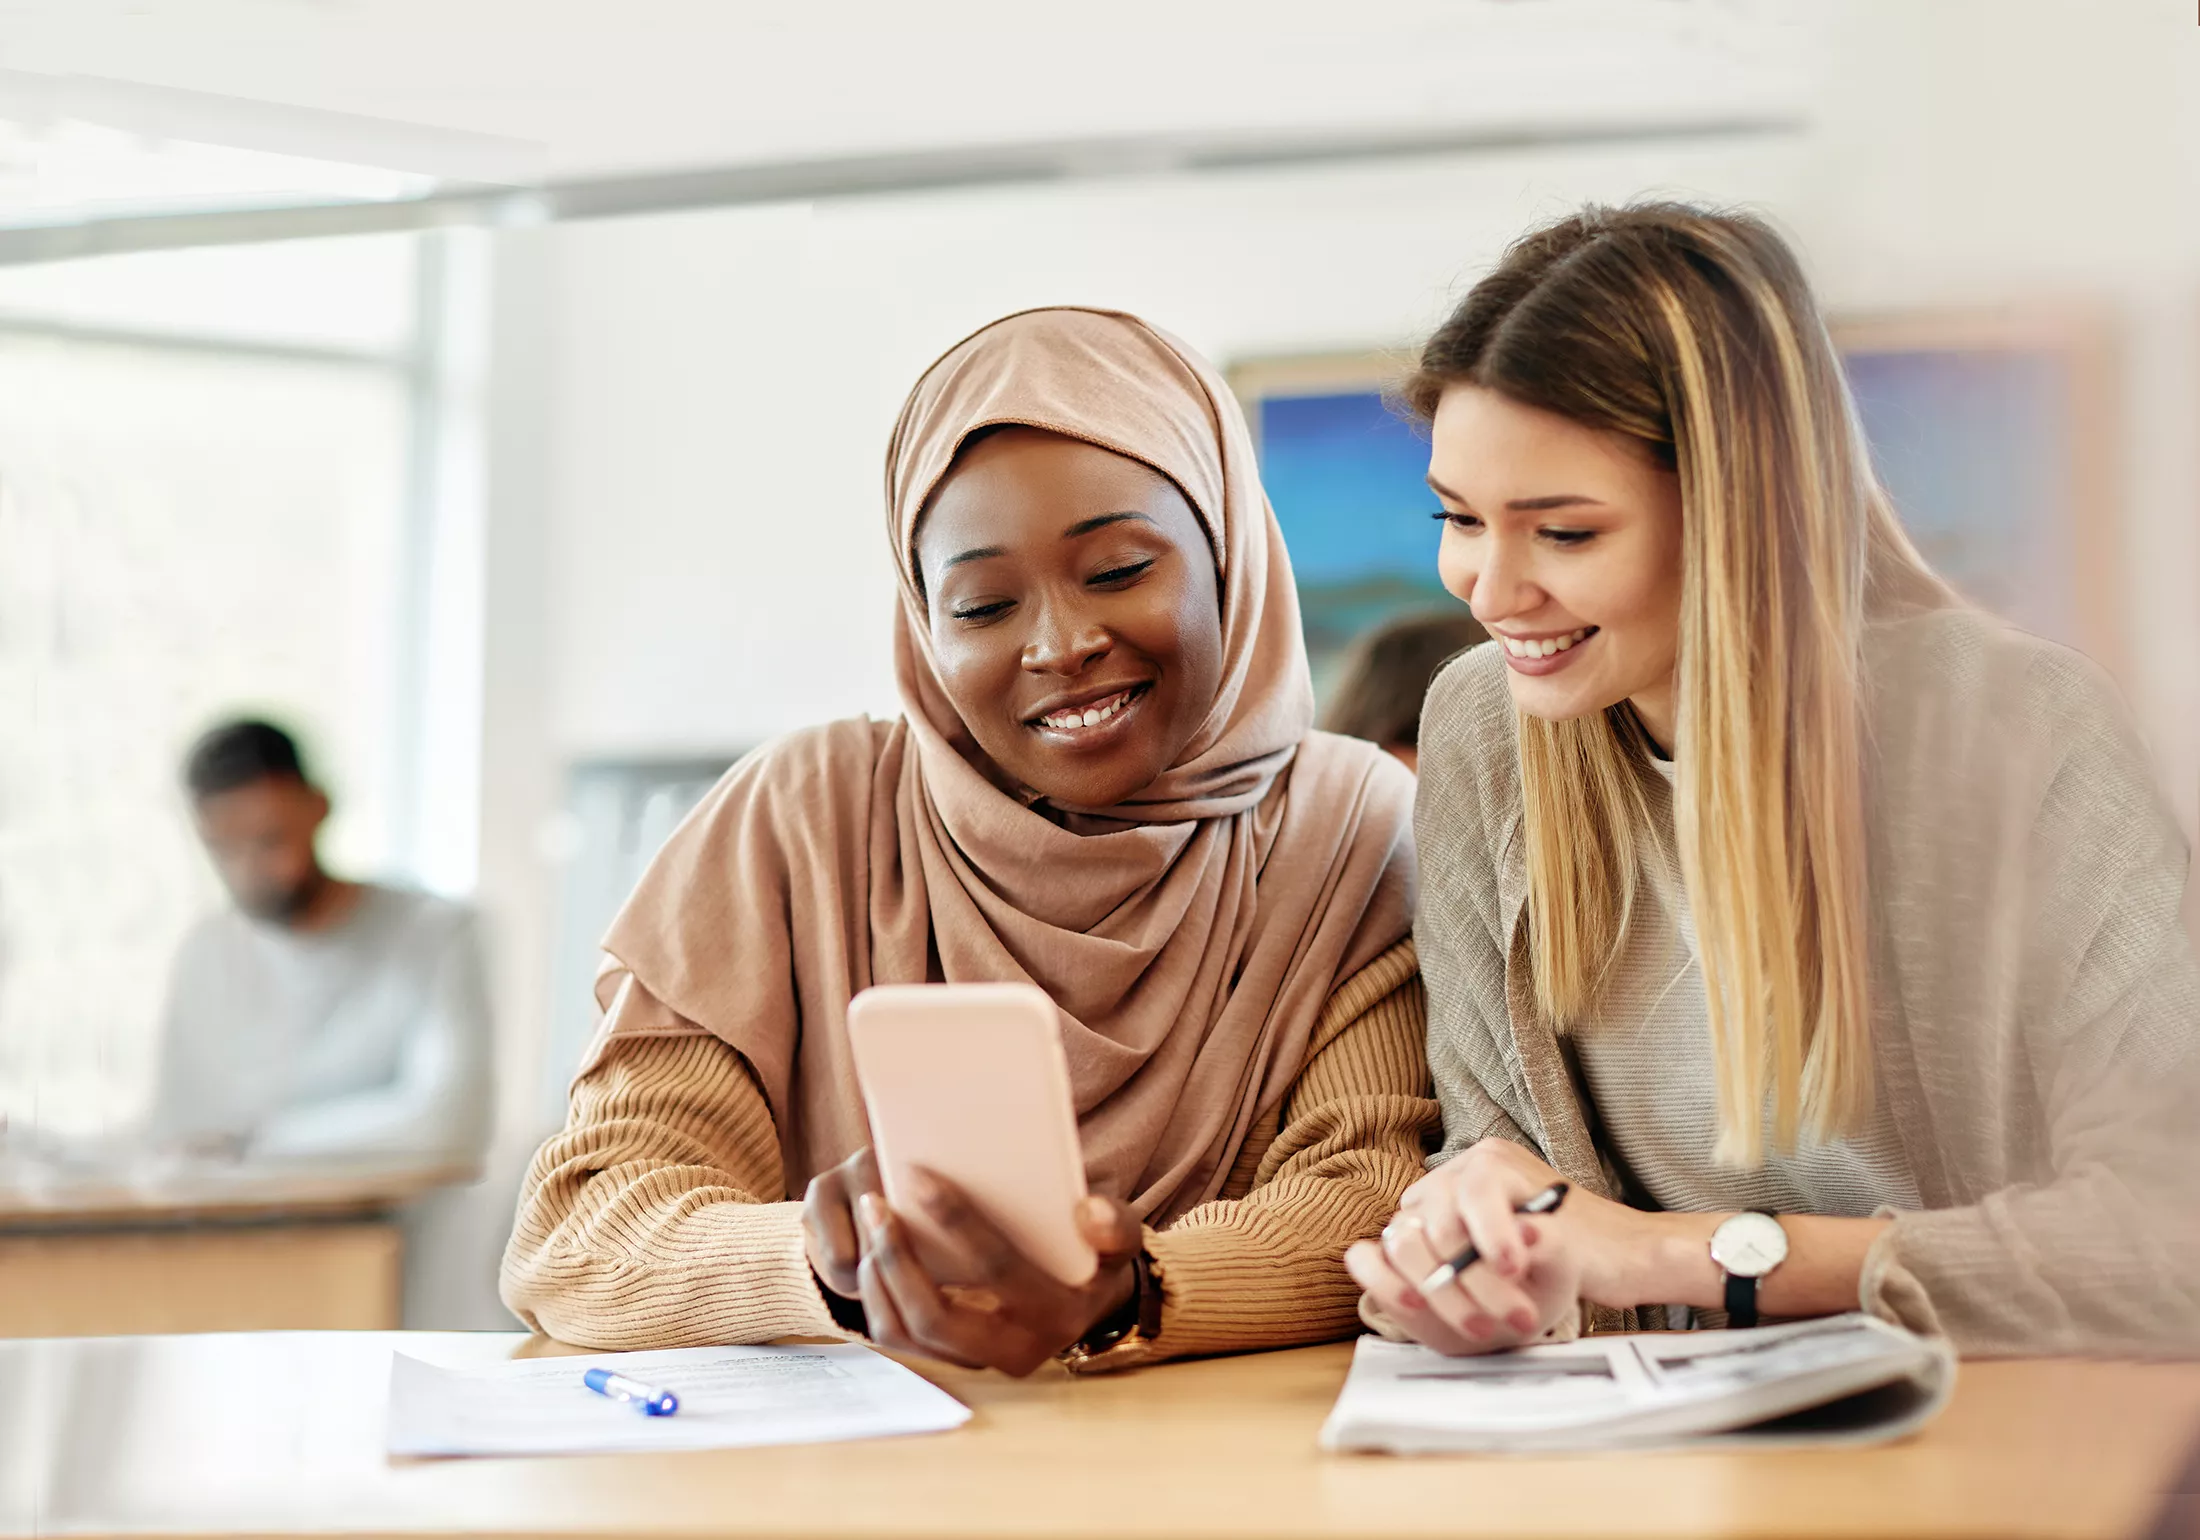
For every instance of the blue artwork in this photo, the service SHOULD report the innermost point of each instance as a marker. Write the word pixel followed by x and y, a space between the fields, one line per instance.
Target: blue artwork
pixel 1975 446
pixel 1346 475
pixel 1976 443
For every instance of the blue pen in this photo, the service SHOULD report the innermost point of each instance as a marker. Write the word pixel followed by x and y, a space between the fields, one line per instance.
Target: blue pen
pixel 652 1402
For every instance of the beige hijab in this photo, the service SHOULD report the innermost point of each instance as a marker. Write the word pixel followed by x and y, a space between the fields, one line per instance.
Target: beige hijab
pixel 1190 951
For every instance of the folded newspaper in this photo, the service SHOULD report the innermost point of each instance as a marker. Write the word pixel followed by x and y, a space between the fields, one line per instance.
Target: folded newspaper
pixel 1845 1379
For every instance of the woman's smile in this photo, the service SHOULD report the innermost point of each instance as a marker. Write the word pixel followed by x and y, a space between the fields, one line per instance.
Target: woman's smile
pixel 1091 718
pixel 1545 654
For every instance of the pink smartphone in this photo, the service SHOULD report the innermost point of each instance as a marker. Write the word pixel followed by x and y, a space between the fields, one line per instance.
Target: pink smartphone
pixel 968 1081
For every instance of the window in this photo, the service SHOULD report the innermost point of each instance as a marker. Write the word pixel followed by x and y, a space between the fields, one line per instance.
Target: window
pixel 207 505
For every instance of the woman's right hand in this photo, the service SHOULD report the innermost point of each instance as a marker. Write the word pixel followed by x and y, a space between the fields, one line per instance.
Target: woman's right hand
pixel 1532 1272
pixel 833 1235
pixel 830 1233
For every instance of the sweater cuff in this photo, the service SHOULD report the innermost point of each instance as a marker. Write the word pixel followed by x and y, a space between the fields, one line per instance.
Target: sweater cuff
pixel 769 1293
pixel 1223 1291
pixel 1889 1290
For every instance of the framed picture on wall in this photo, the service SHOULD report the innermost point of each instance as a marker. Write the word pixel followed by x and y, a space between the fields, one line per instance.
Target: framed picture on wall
pixel 1992 432
pixel 1345 470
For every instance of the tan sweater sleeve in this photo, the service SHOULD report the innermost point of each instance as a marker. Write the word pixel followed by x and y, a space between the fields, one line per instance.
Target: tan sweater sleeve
pixel 1267 1270
pixel 650 1220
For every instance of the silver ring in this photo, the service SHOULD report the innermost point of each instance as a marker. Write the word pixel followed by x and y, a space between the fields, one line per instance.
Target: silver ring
pixel 1390 1230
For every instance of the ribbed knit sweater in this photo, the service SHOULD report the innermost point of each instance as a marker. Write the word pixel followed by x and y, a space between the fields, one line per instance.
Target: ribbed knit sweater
pixel 659 1216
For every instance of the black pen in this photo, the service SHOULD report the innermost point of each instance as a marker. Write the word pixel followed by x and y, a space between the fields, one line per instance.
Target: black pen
pixel 1544 1202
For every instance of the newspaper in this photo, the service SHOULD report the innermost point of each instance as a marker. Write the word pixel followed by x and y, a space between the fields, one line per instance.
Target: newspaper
pixel 1844 1379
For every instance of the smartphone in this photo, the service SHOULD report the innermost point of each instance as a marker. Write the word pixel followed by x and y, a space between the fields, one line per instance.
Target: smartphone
pixel 968 1081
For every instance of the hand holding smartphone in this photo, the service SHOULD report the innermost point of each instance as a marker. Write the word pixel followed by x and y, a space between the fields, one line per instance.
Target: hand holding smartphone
pixel 968 1081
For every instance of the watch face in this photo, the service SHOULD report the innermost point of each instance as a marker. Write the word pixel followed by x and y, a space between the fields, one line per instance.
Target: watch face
pixel 1749 1245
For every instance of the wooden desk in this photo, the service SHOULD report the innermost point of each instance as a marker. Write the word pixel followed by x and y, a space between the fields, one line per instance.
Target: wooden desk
pixel 282 1435
pixel 38 1198
pixel 85 1254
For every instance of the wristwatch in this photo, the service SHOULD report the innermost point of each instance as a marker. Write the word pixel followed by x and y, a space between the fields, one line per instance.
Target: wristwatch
pixel 1746 1248
pixel 1118 1340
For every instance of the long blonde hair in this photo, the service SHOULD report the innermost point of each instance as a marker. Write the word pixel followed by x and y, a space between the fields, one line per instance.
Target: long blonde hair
pixel 1695 334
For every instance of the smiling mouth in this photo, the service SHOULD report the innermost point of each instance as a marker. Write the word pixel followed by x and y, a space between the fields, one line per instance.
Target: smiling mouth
pixel 1093 714
pixel 1543 655
pixel 1547 646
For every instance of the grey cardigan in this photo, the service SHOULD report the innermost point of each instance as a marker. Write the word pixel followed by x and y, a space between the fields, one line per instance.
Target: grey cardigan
pixel 2036 1006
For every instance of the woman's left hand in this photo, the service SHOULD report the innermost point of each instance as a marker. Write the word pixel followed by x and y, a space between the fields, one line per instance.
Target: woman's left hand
pixel 1002 1311
pixel 1533 1272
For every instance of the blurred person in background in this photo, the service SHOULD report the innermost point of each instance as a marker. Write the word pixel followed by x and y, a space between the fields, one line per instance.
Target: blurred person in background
pixel 1386 673
pixel 317 1019
pixel 1819 928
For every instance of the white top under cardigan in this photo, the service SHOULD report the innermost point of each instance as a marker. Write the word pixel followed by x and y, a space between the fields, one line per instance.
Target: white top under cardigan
pixel 1646 1075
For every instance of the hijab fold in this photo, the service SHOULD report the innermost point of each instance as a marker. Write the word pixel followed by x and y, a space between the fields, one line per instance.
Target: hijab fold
pixel 1190 950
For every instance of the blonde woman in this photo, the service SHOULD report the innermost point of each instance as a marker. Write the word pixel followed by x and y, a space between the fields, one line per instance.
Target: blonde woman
pixel 1819 930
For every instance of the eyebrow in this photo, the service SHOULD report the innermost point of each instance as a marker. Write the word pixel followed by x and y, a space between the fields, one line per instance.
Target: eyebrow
pixel 975 553
pixel 1081 527
pixel 1100 521
pixel 1523 504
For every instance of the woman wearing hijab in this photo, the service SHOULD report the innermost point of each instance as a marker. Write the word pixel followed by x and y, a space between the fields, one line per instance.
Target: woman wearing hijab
pixel 1104 782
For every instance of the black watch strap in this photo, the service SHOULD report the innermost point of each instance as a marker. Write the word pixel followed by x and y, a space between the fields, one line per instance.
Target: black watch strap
pixel 1741 1300
pixel 847 1313
pixel 1140 1313
pixel 1741 1293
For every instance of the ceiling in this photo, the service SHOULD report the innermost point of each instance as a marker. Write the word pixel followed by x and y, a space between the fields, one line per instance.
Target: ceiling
pixel 570 89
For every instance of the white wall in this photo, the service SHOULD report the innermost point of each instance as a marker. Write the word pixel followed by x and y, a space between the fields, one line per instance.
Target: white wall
pixel 728 381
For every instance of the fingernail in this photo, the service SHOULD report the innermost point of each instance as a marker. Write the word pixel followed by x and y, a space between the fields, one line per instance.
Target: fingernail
pixel 1522 1321
pixel 923 1188
pixel 870 1210
pixel 1479 1326
pixel 1411 1299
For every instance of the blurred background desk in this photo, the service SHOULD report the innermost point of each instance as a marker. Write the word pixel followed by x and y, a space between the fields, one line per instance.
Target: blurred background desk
pixel 283 1435
pixel 85 1254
